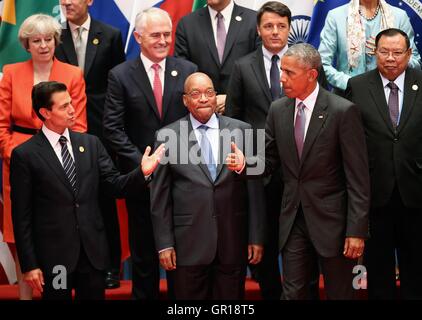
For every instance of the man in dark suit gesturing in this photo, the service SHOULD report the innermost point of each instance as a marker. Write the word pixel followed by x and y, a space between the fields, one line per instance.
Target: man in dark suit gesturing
pixel 96 48
pixel 390 100
pixel 214 37
pixel 208 221
pixel 55 178
pixel 317 139
pixel 144 95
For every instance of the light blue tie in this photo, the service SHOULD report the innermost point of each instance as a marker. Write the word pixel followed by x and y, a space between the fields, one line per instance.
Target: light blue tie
pixel 206 152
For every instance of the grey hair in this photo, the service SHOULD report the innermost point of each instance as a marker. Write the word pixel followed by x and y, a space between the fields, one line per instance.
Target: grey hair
pixel 306 54
pixel 142 16
pixel 39 24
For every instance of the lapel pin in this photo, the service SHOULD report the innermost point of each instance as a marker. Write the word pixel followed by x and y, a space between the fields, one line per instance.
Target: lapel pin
pixel 95 41
pixel 321 116
pixel 238 18
pixel 415 87
pixel 174 73
pixel 81 149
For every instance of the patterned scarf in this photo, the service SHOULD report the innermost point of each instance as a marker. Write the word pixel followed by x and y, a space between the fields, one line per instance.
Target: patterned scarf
pixel 356 38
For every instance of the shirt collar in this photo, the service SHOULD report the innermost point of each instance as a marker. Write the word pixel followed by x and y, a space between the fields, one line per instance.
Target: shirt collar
pixel 86 25
pixel 226 12
pixel 148 63
pixel 310 100
pixel 399 81
pixel 267 54
pixel 211 123
pixel 53 137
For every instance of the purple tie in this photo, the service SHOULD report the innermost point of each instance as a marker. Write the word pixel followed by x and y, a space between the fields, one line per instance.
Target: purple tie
pixel 393 103
pixel 221 35
pixel 300 128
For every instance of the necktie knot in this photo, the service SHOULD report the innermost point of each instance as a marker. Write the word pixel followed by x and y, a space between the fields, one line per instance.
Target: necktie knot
pixel 392 85
pixel 203 128
pixel 62 140
pixel 156 67
pixel 275 58
pixel 219 15
pixel 301 107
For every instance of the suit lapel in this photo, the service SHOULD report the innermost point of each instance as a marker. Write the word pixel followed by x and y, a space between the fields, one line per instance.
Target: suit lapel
pixel 411 87
pixel 235 26
pixel 68 46
pixel 258 68
pixel 94 38
pixel 287 125
pixel 378 95
pixel 139 75
pixel 319 115
pixel 208 33
pixel 171 78
pixel 50 157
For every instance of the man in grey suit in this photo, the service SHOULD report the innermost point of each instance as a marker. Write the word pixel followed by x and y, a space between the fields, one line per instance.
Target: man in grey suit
pixel 207 218
pixel 214 37
pixel 317 139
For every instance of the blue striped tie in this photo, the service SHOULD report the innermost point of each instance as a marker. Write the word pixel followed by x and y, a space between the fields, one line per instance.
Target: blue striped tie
pixel 68 163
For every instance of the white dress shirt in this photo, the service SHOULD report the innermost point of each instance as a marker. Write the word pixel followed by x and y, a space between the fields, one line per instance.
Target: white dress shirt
pixel 212 133
pixel 151 72
pixel 268 61
pixel 309 103
pixel 53 138
pixel 399 83
pixel 227 15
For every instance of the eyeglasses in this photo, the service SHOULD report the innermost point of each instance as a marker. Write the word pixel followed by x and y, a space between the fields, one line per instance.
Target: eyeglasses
pixel 395 54
pixel 197 95
pixel 270 27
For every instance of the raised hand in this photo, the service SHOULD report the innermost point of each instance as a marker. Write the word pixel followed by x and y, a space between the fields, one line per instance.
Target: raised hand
pixel 150 162
pixel 235 160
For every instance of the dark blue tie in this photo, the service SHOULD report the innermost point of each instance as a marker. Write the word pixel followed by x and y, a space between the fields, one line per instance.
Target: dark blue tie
pixel 206 152
pixel 68 163
pixel 275 78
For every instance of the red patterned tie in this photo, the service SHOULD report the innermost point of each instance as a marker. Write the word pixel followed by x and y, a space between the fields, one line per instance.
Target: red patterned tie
pixel 158 89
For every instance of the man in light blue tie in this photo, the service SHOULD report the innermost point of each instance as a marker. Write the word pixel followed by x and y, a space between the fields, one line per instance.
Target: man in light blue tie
pixel 208 221
pixel 317 139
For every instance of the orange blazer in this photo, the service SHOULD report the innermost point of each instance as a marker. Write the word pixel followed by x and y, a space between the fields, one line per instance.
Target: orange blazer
pixel 16 108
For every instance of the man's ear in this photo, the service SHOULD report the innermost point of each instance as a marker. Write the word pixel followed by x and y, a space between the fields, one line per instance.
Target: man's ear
pixel 313 74
pixel 45 113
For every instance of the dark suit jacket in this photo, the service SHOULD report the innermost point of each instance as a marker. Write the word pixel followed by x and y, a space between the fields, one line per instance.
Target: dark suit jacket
pixel 248 92
pixel 104 51
pixel 331 180
pixel 199 217
pixel 195 42
pixel 50 221
pixel 130 113
pixel 395 156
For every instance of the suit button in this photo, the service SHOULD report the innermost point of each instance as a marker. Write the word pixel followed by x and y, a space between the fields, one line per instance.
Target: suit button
pixel 77 227
pixel 77 205
pixel 395 140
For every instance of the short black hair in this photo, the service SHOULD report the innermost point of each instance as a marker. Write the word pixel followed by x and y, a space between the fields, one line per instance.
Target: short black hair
pixel 42 93
pixel 391 32
pixel 276 7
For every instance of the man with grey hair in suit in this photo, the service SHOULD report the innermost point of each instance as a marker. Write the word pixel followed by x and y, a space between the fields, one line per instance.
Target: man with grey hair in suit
pixel 317 139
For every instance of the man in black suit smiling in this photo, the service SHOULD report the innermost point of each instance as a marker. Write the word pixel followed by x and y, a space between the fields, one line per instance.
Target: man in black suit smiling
pixel 55 178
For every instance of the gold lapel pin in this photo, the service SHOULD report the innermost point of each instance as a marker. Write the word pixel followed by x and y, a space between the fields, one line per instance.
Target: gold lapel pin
pixel 81 149
pixel 238 18
pixel 415 87
pixel 95 41
pixel 174 73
